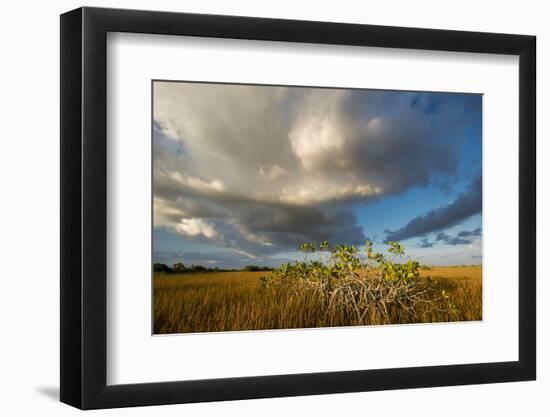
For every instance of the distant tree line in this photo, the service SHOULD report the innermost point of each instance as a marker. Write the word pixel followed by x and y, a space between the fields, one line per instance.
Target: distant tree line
pixel 179 268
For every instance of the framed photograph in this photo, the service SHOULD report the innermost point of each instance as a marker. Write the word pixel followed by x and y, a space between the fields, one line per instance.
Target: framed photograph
pixel 257 208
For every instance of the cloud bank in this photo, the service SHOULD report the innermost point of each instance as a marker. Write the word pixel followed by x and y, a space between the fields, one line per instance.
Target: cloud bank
pixel 465 205
pixel 263 169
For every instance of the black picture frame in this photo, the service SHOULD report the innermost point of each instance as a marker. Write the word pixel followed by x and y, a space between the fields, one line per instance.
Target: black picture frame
pixel 84 207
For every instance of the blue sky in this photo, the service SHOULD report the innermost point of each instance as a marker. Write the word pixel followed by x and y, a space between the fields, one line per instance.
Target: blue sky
pixel 243 174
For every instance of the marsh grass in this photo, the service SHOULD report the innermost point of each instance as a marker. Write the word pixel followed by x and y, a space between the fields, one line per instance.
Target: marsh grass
pixel 233 301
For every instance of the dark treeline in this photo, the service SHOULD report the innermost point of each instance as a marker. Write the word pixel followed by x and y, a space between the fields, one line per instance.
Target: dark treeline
pixel 180 268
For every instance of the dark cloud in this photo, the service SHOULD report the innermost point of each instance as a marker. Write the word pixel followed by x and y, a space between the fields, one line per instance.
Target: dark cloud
pixel 260 228
pixel 466 204
pixel 451 240
pixel 470 233
pixel 290 226
pixel 463 237
pixel 425 243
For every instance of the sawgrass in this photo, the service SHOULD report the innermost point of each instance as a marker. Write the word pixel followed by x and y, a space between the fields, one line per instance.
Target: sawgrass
pixel 233 301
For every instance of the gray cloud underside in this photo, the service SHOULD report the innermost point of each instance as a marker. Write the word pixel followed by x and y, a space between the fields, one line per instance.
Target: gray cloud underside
pixel 469 233
pixel 425 243
pixel 250 224
pixel 465 205
pixel 464 237
pixel 264 169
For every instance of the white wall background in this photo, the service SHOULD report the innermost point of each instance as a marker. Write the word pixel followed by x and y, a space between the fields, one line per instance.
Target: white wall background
pixel 29 209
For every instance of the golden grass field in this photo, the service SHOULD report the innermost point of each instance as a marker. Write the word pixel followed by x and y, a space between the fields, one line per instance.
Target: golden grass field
pixel 232 301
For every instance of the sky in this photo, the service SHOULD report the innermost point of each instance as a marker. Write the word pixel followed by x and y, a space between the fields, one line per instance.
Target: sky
pixel 243 174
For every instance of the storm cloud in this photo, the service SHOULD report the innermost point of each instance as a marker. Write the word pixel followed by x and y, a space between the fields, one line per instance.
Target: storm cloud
pixel 262 169
pixel 465 205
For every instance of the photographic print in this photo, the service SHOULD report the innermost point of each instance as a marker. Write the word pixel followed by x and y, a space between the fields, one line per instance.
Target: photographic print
pixel 284 207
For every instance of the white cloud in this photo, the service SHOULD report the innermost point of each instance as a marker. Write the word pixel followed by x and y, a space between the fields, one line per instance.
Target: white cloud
pixel 320 128
pixel 165 213
pixel 271 172
pixel 194 182
pixel 195 227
